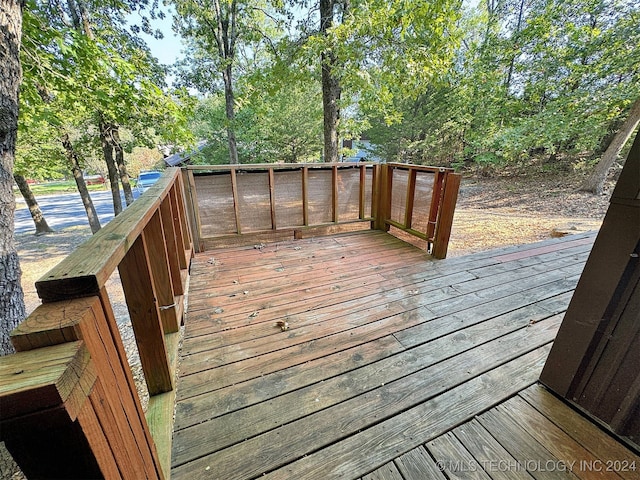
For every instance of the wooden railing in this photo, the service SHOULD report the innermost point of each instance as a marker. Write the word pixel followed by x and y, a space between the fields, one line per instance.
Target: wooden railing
pixel 69 406
pixel 68 402
pixel 247 203
pixel 420 201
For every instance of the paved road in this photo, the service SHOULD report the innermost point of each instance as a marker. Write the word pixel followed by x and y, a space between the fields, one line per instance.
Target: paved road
pixel 63 211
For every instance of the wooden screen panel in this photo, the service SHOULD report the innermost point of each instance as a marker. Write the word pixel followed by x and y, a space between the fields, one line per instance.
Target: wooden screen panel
pixel 288 198
pixel 254 201
pixel 399 195
pixel 348 194
pixel 215 204
pixel 320 195
pixel 422 201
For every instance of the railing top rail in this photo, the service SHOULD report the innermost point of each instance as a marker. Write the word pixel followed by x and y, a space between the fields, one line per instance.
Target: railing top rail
pixel 86 270
pixel 276 166
pixel 421 168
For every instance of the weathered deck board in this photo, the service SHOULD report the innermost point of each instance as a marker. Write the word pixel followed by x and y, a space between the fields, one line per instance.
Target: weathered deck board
pixel 386 351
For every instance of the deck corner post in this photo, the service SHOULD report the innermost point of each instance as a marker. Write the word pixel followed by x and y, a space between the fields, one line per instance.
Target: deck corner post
pixel 445 215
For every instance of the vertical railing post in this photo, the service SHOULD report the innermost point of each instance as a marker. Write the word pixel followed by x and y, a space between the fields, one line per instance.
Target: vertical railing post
pixel 411 194
pixel 112 419
pixel 445 215
pixel 436 200
pixel 236 204
pixel 193 210
pixel 160 273
pixel 178 191
pixel 139 289
pixel 173 250
pixel 272 198
pixel 362 191
pixel 384 188
pixel 334 193
pixel 305 196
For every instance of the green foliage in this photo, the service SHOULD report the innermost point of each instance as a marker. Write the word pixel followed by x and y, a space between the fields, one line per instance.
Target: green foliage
pixel 531 77
pixel 284 125
pixel 77 73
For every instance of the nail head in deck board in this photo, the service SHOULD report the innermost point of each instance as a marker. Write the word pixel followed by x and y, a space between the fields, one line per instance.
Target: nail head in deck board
pixel 455 459
pixel 417 464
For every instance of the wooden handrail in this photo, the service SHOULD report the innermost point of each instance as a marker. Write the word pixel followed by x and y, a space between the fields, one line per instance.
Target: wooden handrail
pixel 150 244
pixel 87 269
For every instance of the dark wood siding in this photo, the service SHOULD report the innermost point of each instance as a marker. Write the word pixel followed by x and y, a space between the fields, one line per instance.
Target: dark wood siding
pixel 595 361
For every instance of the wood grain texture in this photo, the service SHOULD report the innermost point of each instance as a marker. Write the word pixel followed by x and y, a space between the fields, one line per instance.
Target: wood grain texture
pixel 140 293
pixel 381 354
pixel 417 464
pixel 455 459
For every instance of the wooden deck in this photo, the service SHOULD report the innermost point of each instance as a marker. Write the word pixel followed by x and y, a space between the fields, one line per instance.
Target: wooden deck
pixel 390 365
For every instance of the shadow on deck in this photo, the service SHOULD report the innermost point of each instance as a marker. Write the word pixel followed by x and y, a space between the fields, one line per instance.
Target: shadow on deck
pixel 357 355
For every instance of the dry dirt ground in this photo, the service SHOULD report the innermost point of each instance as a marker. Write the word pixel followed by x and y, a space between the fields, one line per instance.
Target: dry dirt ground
pixel 491 213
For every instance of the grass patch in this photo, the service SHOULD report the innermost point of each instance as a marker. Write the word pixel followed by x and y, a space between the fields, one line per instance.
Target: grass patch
pixel 50 188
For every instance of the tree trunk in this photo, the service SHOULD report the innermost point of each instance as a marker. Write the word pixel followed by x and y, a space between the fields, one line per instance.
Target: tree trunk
pixel 595 182
pixel 72 157
pixel 122 168
pixel 42 226
pixel 229 108
pixel 330 88
pixel 514 36
pixel 112 170
pixel 12 309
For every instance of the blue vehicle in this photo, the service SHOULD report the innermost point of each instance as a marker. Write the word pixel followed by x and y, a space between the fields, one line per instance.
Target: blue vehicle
pixel 146 180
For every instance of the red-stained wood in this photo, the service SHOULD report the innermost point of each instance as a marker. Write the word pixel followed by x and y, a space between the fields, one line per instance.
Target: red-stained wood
pixel 334 194
pixel 236 204
pixel 436 201
pixel 272 199
pixel 139 289
pixel 411 193
pixel 166 212
pixel 305 196
pixel 319 397
pixel 445 215
pixel 154 235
